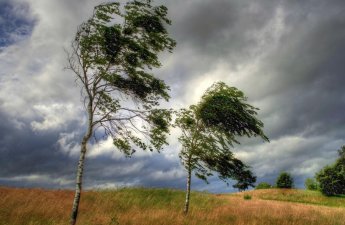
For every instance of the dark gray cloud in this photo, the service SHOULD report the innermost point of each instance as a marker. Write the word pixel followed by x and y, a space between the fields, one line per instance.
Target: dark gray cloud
pixel 15 24
pixel 211 33
pixel 24 152
pixel 221 28
pixel 287 56
pixel 35 159
pixel 303 79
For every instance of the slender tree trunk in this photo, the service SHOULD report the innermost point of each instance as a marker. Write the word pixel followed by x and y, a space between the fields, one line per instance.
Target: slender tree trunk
pixel 86 138
pixel 186 205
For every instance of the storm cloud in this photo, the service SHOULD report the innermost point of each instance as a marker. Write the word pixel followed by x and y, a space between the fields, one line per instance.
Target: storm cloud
pixel 286 56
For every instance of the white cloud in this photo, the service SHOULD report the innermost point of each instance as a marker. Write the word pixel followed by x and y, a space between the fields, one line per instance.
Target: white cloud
pixel 68 145
pixel 39 178
pixel 300 155
pixel 55 116
pixel 104 148
pixel 172 174
pixel 113 185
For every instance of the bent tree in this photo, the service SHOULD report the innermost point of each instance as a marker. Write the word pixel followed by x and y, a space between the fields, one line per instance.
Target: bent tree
pixel 112 55
pixel 209 131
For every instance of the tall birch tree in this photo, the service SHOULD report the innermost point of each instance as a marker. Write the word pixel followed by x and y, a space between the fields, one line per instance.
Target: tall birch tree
pixel 209 130
pixel 112 55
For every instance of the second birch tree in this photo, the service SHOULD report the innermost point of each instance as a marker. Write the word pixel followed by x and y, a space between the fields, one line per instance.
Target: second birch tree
pixel 207 141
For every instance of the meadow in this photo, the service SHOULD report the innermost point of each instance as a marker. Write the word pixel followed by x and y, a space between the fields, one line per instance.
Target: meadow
pixel 142 206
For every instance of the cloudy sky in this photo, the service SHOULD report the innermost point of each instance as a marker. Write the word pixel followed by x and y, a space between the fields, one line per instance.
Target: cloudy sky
pixel 286 56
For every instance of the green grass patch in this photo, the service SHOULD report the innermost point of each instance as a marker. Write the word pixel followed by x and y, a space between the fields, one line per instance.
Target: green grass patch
pixel 302 196
pixel 124 198
pixel 247 197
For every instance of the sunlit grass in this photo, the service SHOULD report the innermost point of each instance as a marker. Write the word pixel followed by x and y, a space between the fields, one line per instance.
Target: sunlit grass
pixel 296 195
pixel 140 206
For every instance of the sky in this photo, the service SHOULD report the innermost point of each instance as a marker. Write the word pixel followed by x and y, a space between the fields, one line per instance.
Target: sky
pixel 286 56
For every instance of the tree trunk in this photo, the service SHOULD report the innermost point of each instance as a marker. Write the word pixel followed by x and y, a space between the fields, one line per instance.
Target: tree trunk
pixel 86 138
pixel 186 205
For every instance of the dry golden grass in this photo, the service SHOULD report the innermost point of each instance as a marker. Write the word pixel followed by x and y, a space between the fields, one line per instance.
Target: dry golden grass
pixel 157 206
pixel 257 211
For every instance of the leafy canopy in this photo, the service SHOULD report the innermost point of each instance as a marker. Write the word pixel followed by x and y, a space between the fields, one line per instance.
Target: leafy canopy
pixel 284 180
pixel 245 179
pixel 311 184
pixel 332 177
pixel 206 142
pixel 203 150
pixel 113 54
pixel 224 109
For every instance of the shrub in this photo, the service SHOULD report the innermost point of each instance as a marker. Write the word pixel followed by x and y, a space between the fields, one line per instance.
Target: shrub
pixel 332 182
pixel 284 180
pixel 263 185
pixel 247 197
pixel 311 184
pixel 332 178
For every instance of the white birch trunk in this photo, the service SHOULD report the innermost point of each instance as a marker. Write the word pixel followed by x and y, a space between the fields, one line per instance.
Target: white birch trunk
pixel 78 188
pixel 186 205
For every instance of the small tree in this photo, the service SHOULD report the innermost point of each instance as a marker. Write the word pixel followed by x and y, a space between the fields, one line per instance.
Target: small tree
pixel 311 184
pixel 332 177
pixel 206 144
pixel 329 182
pixel 263 185
pixel 284 180
pixel 112 54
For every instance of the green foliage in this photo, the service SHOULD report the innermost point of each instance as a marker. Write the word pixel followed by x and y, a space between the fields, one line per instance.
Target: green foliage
pixel 247 197
pixel 245 179
pixel 225 109
pixel 311 184
pixel 206 146
pixel 284 180
pixel 204 151
pixel 332 177
pixel 112 56
pixel 263 185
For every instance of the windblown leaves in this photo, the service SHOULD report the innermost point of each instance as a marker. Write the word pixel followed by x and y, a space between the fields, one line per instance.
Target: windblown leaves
pixel 114 53
pixel 224 108
pixel 209 130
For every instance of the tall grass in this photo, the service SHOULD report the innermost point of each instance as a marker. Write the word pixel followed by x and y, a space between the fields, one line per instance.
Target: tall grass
pixel 140 206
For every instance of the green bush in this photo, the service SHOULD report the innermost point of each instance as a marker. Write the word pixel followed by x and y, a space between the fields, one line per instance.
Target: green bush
pixel 263 185
pixel 332 178
pixel 311 184
pixel 284 180
pixel 247 197
pixel 332 181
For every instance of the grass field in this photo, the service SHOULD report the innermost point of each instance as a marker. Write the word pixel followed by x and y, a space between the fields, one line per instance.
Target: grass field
pixel 296 195
pixel 139 206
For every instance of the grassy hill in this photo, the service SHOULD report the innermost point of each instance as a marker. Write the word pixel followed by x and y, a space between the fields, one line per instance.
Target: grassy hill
pixel 140 206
